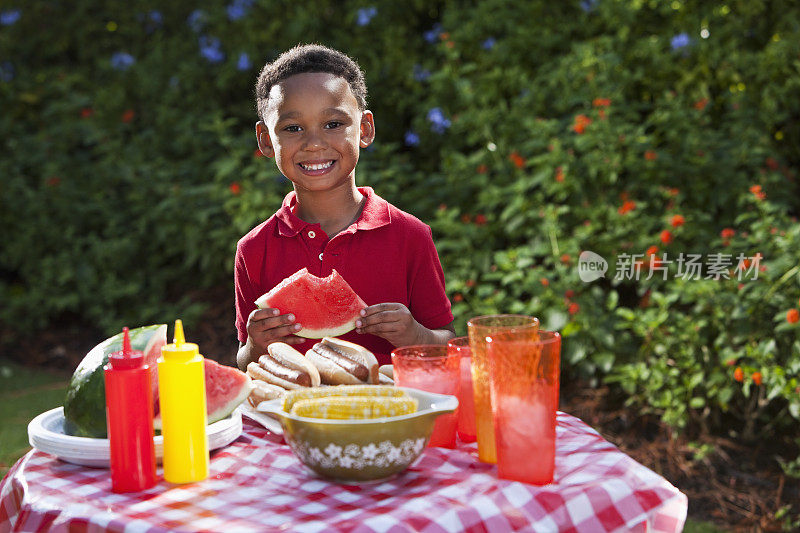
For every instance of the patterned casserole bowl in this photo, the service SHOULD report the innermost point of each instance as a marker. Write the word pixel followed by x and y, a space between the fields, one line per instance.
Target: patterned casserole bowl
pixel 365 449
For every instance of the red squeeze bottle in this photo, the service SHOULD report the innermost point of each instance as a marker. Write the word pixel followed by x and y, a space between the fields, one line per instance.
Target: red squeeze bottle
pixel 129 415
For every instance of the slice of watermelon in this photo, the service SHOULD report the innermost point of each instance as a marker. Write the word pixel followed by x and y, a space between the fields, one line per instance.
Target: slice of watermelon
pixel 226 388
pixel 325 307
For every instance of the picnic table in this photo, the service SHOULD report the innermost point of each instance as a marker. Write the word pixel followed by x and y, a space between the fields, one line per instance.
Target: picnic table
pixel 257 484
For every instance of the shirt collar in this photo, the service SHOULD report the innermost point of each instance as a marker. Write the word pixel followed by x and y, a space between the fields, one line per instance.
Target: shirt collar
pixel 374 215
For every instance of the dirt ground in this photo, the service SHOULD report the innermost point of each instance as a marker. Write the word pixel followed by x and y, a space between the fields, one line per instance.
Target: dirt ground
pixel 735 487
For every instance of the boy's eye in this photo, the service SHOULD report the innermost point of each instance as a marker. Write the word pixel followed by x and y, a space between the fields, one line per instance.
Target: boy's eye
pixel 292 129
pixel 333 124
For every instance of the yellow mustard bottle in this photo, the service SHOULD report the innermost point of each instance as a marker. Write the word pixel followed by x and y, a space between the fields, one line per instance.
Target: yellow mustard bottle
pixel 182 402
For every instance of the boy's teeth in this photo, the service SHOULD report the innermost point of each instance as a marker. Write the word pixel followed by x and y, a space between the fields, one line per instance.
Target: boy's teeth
pixel 318 166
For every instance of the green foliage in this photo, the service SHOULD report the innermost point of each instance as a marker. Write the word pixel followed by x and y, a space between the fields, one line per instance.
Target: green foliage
pixel 544 129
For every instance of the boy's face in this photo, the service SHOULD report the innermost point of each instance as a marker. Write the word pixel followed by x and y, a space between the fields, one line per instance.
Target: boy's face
pixel 314 129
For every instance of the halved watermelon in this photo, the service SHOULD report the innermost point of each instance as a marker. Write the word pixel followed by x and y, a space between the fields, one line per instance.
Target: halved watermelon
pixel 325 307
pixel 85 404
pixel 226 388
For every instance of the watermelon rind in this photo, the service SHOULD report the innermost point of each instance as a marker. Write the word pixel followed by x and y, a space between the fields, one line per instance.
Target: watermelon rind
pixel 331 332
pixel 85 403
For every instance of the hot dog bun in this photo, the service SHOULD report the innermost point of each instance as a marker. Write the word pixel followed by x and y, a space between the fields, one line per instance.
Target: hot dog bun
pixel 263 391
pixel 285 367
pixel 343 363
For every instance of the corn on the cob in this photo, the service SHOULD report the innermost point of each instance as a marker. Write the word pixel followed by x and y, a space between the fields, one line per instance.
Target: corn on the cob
pixel 340 390
pixel 354 407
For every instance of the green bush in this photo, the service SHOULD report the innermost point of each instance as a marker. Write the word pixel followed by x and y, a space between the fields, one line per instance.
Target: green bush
pixel 524 133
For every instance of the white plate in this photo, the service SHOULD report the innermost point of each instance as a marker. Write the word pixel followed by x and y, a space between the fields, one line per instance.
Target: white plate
pixel 46 433
pixel 262 418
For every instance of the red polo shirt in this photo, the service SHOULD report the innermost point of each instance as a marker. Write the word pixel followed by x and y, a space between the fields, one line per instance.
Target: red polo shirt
pixel 387 255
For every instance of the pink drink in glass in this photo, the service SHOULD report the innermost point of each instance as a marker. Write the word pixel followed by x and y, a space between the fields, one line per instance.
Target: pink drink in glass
pixel 466 399
pixel 524 387
pixel 429 367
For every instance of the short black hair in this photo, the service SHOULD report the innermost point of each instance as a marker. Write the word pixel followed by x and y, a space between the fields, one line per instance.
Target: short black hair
pixel 310 58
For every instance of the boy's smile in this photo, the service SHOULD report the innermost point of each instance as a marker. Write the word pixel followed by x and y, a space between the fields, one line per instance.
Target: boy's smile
pixel 314 128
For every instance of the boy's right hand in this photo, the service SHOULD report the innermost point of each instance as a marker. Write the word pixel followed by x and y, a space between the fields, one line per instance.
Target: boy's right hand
pixel 265 326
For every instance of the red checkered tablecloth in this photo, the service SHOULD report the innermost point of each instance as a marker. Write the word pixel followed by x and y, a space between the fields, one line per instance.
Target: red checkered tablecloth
pixel 257 484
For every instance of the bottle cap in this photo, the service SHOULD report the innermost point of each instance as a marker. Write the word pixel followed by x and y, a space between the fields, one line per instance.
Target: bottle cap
pixel 126 359
pixel 179 350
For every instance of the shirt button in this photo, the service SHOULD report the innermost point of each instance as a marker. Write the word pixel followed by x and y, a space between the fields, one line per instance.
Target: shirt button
pixel 311 234
pixel 320 257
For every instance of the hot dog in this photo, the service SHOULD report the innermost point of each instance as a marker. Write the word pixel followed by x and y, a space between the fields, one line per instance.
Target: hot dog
pixel 285 367
pixel 343 363
pixel 263 391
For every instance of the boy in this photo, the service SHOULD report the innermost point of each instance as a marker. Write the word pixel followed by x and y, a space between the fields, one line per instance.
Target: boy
pixel 312 106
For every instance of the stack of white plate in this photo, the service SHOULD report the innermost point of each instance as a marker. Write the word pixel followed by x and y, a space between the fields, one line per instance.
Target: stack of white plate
pixel 46 433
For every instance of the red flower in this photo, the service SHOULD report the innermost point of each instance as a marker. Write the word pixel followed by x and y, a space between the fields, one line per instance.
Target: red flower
pixel 569 293
pixel 727 233
pixel 465 218
pixel 772 163
pixel 544 281
pixel 481 169
pixel 517 159
pixel 730 362
pixel 128 115
pixel 653 250
pixel 470 283
pixel 573 308
pixel 627 207
pixel 449 44
pixel 444 35
pixel 601 102
pixel 235 188
pixel 87 112
pixel 581 121
pixel 792 316
pixel 53 181
pixel 650 155
pixel 701 104
pixel 480 219
pixel 457 297
pixel 565 258
pixel 757 378
pixel 559 174
pixel 677 221
pixel 442 207
pixel 666 236
pixel 738 374
pixel 757 192
pixel 672 191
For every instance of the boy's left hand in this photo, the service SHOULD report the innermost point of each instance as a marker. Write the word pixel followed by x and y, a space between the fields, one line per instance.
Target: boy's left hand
pixel 392 321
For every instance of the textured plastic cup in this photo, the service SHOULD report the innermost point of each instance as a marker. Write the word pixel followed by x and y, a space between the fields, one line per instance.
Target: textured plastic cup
pixel 507 327
pixel 466 398
pixel 524 379
pixel 429 367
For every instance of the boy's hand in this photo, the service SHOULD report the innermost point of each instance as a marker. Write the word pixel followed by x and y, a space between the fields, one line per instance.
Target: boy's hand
pixel 265 326
pixel 393 322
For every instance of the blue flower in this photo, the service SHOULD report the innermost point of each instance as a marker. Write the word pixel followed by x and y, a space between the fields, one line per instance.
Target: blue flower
pixel 210 48
pixel 6 71
pixel 7 18
pixel 489 43
pixel 588 5
pixel 411 138
pixel 433 34
pixel 196 20
pixel 244 62
pixel 421 74
pixel 122 61
pixel 439 123
pixel 152 20
pixel 238 9
pixel 679 41
pixel 365 14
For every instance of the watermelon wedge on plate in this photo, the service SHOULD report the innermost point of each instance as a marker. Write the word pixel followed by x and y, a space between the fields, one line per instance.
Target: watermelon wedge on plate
pixel 325 307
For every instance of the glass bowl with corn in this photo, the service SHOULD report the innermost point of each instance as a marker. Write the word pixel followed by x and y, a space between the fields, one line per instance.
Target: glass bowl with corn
pixel 358 432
